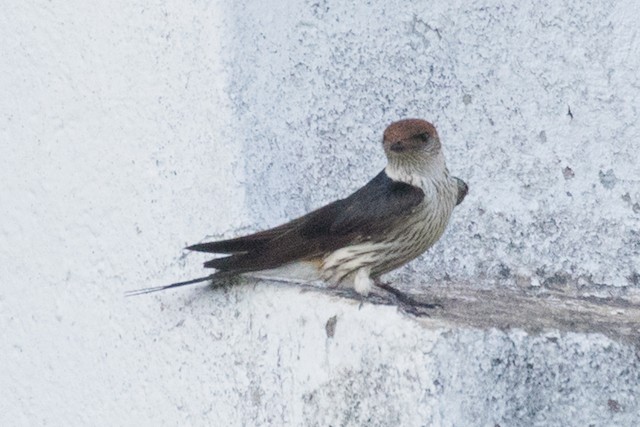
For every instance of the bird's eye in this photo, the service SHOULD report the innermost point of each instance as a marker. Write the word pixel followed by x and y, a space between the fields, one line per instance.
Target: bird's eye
pixel 424 137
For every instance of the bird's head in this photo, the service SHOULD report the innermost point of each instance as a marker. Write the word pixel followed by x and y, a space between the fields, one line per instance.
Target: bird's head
pixel 410 138
pixel 412 147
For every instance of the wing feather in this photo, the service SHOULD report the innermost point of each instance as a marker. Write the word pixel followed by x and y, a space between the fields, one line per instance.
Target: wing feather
pixel 463 189
pixel 367 213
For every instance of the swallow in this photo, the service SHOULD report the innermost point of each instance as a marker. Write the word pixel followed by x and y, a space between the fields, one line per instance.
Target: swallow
pixel 352 242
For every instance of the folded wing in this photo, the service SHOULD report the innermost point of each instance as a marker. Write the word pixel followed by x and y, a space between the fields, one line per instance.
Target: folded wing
pixel 365 215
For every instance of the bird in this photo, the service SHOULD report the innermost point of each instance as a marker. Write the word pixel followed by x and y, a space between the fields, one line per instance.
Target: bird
pixel 352 242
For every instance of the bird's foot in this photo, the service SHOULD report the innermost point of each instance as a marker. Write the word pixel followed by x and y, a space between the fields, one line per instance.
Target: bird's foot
pixel 390 296
pixel 406 302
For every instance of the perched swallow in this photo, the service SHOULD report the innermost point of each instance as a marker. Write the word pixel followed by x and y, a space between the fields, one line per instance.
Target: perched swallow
pixel 393 219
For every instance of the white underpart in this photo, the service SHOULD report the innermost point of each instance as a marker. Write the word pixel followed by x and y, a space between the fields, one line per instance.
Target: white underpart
pixel 299 271
pixel 362 283
pixel 353 257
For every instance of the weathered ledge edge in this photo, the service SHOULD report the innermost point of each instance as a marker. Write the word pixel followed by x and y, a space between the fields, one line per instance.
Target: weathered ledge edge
pixel 534 311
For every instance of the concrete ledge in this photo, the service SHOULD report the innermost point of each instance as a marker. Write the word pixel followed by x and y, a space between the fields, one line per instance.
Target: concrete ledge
pixel 288 356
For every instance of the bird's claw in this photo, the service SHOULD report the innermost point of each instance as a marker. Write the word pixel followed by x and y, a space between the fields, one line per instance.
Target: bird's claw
pixel 391 296
pixel 407 303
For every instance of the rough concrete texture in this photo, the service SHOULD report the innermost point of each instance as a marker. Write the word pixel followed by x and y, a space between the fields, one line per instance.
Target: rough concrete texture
pixel 131 128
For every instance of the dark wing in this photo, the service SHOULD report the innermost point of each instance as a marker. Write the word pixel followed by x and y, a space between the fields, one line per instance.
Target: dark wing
pixel 370 211
pixel 376 207
pixel 463 189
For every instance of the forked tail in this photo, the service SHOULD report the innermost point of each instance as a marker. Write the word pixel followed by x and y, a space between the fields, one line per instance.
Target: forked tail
pixel 214 276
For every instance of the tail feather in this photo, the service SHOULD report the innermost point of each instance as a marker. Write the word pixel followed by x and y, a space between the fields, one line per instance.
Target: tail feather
pixel 212 277
pixel 224 246
pixel 237 262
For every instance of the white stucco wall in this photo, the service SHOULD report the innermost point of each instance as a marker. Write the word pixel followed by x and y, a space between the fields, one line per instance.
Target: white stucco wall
pixel 131 128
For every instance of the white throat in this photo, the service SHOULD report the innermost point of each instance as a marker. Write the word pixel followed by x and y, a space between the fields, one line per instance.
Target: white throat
pixel 427 171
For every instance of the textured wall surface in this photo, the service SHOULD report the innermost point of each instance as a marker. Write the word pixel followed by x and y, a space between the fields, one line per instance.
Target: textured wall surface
pixel 556 198
pixel 133 128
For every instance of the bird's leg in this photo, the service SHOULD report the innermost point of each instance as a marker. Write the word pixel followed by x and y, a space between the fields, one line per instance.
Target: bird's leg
pixel 406 302
pixel 363 284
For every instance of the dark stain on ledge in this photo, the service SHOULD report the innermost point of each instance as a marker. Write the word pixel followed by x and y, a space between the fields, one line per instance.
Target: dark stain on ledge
pixel 330 326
